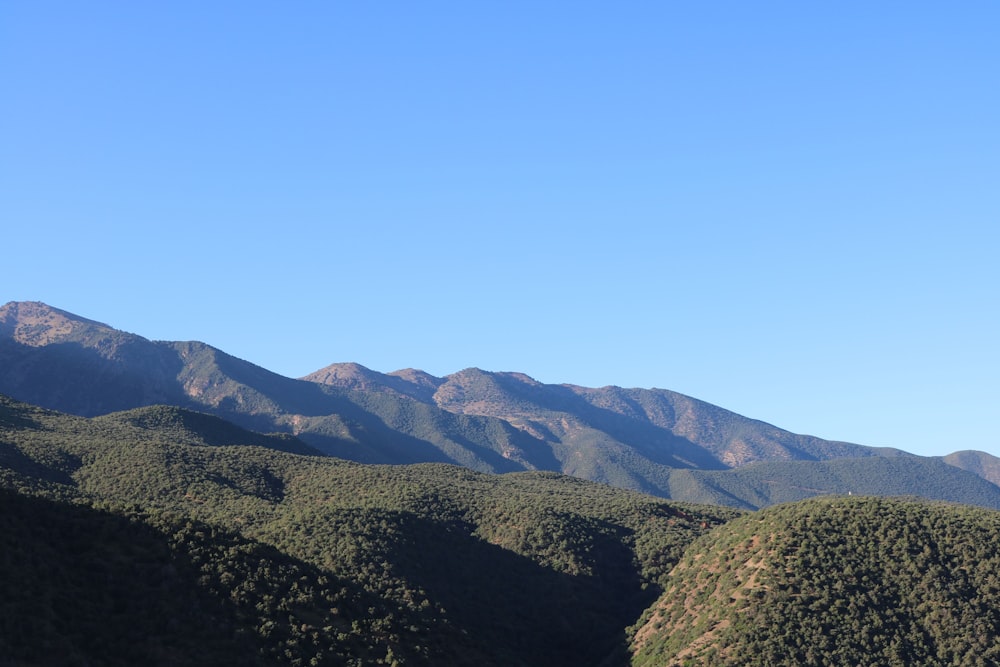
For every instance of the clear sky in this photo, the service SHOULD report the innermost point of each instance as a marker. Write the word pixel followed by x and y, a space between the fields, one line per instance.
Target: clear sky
pixel 788 209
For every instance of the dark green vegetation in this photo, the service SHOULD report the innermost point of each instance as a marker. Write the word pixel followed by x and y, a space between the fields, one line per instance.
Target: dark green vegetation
pixel 83 586
pixel 162 536
pixel 841 581
pixel 650 440
pixel 158 536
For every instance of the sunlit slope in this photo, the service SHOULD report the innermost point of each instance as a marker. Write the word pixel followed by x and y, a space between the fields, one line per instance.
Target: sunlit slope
pixel 839 581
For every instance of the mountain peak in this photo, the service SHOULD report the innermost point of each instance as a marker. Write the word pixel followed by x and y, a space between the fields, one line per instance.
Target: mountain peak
pixel 35 323
pixel 347 374
pixel 413 383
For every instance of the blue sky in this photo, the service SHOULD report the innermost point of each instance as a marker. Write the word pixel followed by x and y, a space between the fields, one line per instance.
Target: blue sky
pixel 788 209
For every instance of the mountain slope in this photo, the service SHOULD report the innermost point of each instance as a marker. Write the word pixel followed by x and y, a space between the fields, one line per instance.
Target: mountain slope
pixel 490 422
pixel 733 439
pixel 199 428
pixel 57 360
pixel 985 465
pixel 846 581
pixel 89 586
pixel 140 537
pixel 771 482
pixel 664 427
pixel 431 564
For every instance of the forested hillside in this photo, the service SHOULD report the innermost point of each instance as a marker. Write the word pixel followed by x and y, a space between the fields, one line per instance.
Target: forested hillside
pixel 161 536
pixel 844 581
pixel 306 558
pixel 85 586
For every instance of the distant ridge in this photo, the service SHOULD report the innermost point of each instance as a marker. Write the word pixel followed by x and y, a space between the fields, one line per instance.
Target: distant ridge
pixel 985 465
pixel 651 440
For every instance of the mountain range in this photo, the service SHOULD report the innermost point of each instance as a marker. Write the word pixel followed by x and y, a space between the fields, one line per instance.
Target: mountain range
pixel 651 440
pixel 191 513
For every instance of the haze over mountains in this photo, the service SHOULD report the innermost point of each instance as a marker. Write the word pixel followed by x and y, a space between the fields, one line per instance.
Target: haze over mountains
pixel 652 440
